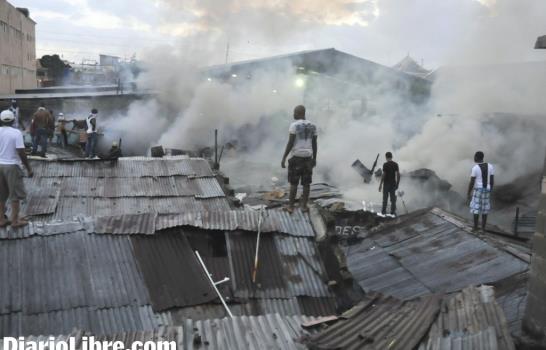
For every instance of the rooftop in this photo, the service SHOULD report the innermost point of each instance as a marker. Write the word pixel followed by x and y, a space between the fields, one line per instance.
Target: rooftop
pixel 120 238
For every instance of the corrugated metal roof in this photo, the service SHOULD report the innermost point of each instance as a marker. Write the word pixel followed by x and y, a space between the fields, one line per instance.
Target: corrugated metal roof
pixel 43 274
pixel 270 276
pixel 297 224
pixel 245 332
pixel 126 224
pixel 425 254
pixel 288 267
pixel 376 270
pixel 511 296
pixel 471 319
pixel 97 321
pixel 171 271
pixel 114 187
pixel 241 332
pixel 124 167
pixel 379 322
pixel 42 201
pixel 71 207
pixel 62 190
pixel 308 306
pixel 304 271
pixel 482 340
pixel 41 228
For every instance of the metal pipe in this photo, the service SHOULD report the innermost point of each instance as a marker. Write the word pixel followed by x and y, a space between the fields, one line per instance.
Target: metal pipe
pixel 216 148
pixel 255 269
pixel 213 284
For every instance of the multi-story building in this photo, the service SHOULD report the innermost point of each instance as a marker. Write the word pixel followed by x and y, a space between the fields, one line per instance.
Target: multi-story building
pixel 17 49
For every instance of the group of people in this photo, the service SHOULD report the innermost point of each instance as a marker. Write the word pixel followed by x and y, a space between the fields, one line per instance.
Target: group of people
pixel 13 153
pixel 43 127
pixel 302 146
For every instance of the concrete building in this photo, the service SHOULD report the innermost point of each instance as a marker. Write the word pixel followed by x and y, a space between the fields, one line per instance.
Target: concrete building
pixel 17 49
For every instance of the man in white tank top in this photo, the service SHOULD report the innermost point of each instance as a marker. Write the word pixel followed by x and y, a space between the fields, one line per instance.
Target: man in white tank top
pixel 91 131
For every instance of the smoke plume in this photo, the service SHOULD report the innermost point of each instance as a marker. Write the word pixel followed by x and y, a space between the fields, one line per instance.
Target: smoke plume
pixel 479 101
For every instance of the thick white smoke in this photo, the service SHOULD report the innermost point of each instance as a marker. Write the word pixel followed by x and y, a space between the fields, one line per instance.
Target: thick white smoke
pixel 487 106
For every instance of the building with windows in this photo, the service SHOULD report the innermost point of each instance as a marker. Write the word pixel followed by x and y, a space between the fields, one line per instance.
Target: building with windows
pixel 17 49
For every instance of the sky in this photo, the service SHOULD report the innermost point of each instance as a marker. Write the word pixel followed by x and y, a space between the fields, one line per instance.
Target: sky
pixel 431 31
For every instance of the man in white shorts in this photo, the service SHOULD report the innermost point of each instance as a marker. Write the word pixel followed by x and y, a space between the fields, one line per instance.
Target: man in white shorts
pixel 12 153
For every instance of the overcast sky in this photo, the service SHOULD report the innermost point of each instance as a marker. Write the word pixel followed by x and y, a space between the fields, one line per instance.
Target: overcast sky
pixel 435 31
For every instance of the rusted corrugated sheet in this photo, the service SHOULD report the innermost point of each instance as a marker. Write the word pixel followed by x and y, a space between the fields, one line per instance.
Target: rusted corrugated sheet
pixel 288 266
pixel 471 319
pixel 43 274
pixel 171 271
pixel 379 323
pixel 270 278
pixel 303 269
pixel 297 224
pixel 126 224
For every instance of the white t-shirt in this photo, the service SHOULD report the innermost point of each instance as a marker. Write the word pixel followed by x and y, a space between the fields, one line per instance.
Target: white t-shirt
pixel 10 140
pixel 477 173
pixel 304 131
pixel 89 125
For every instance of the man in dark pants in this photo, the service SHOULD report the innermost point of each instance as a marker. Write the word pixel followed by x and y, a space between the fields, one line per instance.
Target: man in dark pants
pixel 42 124
pixel 482 178
pixel 389 183
pixel 302 143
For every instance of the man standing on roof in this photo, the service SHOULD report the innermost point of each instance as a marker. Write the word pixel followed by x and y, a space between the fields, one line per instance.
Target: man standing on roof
pixel 302 143
pixel 482 178
pixel 91 144
pixel 42 125
pixel 12 153
pixel 389 183
pixel 62 136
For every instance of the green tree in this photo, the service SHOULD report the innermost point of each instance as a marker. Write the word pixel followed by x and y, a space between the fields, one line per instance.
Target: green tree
pixel 56 68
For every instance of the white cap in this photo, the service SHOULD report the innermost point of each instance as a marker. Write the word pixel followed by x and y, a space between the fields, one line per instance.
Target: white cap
pixel 7 116
pixel 61 114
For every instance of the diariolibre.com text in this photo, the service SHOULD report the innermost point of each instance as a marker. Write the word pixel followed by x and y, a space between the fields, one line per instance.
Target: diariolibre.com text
pixel 82 343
